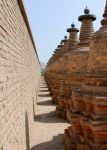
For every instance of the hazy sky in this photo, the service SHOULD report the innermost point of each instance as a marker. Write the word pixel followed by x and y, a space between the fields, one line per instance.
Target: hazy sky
pixel 49 20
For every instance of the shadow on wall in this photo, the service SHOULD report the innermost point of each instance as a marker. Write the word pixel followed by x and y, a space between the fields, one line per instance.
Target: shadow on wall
pixel 27 131
pixel 33 109
pixel 55 144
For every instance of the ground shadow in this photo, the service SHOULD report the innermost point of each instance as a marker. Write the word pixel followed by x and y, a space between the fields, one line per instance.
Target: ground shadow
pixel 55 144
pixel 46 103
pixel 42 87
pixel 45 90
pixel 49 118
pixel 44 95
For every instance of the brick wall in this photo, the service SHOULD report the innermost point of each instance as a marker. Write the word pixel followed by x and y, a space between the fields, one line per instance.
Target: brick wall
pixel 19 76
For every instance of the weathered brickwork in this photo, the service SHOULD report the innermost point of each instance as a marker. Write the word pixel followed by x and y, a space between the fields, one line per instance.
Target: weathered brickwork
pixel 19 77
pixel 78 85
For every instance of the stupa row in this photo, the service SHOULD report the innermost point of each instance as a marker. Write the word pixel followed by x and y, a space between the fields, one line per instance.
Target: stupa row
pixel 77 78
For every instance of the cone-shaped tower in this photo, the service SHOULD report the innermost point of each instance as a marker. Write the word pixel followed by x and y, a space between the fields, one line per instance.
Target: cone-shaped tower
pixel 87 29
pixel 98 49
pixel 104 21
pixel 65 43
pixel 73 38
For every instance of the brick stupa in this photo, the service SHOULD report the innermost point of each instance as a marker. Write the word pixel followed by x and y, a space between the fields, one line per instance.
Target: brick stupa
pixel 89 118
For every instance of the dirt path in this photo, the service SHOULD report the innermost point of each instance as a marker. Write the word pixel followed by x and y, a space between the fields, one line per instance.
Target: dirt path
pixel 48 129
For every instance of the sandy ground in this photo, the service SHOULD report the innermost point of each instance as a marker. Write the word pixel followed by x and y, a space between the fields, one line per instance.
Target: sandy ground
pixel 48 128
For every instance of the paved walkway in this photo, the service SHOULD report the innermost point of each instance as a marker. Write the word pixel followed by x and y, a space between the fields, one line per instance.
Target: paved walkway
pixel 48 129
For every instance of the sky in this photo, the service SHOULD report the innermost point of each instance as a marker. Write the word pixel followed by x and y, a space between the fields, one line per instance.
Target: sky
pixel 49 20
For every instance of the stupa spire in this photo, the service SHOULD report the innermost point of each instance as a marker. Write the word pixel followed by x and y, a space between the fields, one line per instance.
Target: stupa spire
pixel 60 45
pixel 105 12
pixel 73 38
pixel 87 28
pixel 104 21
pixel 65 43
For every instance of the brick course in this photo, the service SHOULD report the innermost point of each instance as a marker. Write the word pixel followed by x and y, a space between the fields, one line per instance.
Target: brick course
pixel 19 77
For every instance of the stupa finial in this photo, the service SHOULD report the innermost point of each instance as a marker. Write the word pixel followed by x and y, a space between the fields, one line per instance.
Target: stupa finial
pixel 86 10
